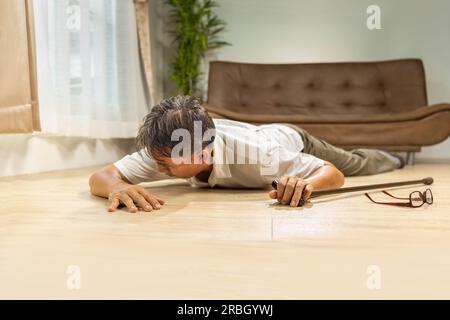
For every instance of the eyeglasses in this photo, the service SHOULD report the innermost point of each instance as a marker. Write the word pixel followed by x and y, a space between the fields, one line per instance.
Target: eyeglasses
pixel 416 199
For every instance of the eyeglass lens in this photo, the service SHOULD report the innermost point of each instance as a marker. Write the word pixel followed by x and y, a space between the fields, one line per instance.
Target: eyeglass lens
pixel 416 199
pixel 428 196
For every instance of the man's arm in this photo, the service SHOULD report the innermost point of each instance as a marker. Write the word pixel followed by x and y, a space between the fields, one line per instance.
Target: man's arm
pixel 110 183
pixel 291 188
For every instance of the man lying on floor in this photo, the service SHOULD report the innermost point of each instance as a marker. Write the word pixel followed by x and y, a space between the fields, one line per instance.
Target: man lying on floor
pixel 229 154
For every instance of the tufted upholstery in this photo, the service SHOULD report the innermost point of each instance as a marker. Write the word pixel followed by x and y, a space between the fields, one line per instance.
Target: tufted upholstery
pixel 341 88
pixel 330 99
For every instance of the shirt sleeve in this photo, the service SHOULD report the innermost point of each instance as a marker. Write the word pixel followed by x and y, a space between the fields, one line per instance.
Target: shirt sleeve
pixel 139 167
pixel 288 163
pixel 304 164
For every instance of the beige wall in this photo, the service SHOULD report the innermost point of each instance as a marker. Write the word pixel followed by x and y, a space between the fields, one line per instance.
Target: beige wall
pixel 330 30
pixel 31 153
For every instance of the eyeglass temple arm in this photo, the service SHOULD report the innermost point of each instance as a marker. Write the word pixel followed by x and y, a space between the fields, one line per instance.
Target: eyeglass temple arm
pixel 390 195
pixel 402 204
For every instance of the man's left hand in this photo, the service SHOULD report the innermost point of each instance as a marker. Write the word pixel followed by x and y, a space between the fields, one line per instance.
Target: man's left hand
pixel 290 190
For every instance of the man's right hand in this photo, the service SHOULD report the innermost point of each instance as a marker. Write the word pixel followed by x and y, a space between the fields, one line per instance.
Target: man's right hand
pixel 133 197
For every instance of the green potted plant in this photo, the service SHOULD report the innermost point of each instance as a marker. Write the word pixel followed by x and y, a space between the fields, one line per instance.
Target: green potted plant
pixel 196 30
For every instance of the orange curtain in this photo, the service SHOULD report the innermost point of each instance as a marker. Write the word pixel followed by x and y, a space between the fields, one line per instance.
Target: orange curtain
pixel 19 110
pixel 143 30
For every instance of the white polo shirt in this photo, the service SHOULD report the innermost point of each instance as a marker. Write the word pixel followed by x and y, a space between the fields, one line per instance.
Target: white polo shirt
pixel 244 156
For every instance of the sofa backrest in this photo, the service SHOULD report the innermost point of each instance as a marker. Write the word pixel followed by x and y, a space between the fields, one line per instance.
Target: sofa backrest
pixel 318 88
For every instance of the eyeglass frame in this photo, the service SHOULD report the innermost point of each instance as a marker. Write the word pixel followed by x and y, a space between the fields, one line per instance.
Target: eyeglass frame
pixel 423 197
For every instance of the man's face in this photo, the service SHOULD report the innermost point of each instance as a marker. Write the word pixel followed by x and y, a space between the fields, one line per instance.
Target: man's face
pixel 179 167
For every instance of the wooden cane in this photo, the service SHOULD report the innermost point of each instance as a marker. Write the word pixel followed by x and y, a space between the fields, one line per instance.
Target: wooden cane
pixel 318 193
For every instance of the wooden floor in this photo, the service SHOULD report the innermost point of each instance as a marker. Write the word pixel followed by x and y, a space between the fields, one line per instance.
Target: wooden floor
pixel 222 243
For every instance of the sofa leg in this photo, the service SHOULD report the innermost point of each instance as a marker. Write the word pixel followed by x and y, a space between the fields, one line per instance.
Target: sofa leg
pixel 411 158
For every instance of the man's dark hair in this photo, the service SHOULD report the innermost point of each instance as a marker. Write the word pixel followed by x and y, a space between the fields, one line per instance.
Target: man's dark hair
pixel 177 112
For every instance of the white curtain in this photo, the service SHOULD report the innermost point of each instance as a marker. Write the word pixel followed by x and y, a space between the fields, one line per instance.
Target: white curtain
pixel 89 76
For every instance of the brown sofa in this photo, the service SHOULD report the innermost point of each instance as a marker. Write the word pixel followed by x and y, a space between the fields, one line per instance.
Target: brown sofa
pixel 349 104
